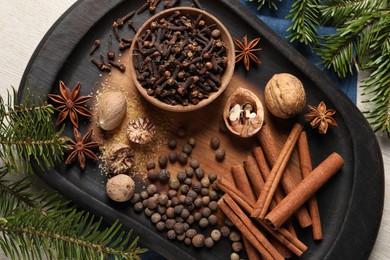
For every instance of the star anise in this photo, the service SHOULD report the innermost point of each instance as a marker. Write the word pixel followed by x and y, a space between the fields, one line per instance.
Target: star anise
pixel 320 117
pixel 71 104
pixel 246 51
pixel 81 147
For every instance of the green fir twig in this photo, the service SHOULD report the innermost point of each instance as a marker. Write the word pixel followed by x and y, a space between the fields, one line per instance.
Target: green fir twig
pixel 305 16
pixel 271 4
pixel 27 134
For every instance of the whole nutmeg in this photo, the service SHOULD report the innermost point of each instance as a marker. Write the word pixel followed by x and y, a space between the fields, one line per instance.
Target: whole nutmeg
pixel 120 188
pixel 111 110
pixel 284 95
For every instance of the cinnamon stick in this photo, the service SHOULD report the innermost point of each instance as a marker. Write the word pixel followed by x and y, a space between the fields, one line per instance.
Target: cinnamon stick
pixel 295 199
pixel 283 235
pixel 306 168
pixel 241 182
pixel 266 195
pixel 254 175
pixel 247 228
pixel 251 175
pixel 289 180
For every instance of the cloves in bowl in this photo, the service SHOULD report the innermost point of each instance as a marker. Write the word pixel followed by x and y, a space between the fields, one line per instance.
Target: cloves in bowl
pixel 243 113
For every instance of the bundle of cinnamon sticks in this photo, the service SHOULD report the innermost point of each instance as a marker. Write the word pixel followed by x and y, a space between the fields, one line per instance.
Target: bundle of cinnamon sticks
pixel 262 194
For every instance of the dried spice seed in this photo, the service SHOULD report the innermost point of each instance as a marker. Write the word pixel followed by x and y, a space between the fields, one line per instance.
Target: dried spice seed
pixel 163 161
pixel 183 158
pixel 172 156
pixel 215 235
pixel 220 155
pixel 194 164
pixel 179 228
pixel 197 216
pixel 215 142
pixel 199 173
pixel 213 220
pixel 152 175
pixel 234 236
pixel 181 176
pixel 204 191
pixel 71 104
pixel 81 148
pixel 205 182
pixel 184 189
pixel 187 148
pixel 163 199
pixel 144 195
pixel 237 246
pixel 160 226
pixel 212 176
pixel 164 175
pixel 196 186
pixel 203 223
pixel 172 143
pixel 209 242
pixel 192 141
pixel 206 212
pixel 136 198
pixel 213 205
pixel 190 233
pixel 246 51
pixel 150 164
pixel 170 224
pixel 149 212
pixel 190 172
pixel 320 117
pixel 174 183
pixel 171 234
pixel 155 218
pixel 198 202
pixel 198 240
pixel 151 189
pixel 138 207
pixel 225 231
pixel 172 194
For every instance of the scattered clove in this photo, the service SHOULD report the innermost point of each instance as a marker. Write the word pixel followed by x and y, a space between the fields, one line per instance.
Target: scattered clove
pixel 116 31
pixel 110 53
pixel 132 26
pixel 95 46
pixel 123 19
pixel 118 66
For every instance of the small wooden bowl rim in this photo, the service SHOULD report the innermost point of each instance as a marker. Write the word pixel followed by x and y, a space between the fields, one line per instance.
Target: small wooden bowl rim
pixel 226 77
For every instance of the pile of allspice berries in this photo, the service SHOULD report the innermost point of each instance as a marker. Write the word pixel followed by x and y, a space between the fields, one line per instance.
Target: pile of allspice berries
pixel 187 210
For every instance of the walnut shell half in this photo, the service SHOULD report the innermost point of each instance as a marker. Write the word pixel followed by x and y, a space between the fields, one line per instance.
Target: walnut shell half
pixel 243 113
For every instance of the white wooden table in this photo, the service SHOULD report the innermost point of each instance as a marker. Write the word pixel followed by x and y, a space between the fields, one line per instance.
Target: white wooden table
pixel 23 23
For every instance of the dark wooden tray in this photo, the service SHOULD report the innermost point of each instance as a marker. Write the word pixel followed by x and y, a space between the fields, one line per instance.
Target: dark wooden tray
pixel 351 203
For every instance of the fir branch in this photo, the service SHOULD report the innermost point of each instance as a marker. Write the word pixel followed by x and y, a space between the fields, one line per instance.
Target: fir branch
pixel 43 223
pixel 270 3
pixel 305 16
pixel 75 235
pixel 338 12
pixel 376 86
pixel 28 135
pixel 350 45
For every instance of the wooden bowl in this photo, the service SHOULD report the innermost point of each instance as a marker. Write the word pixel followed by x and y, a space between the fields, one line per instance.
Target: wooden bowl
pixel 226 76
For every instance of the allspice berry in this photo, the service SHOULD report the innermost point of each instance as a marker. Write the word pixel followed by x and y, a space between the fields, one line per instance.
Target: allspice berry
pixel 120 188
pixel 198 240
pixel 284 95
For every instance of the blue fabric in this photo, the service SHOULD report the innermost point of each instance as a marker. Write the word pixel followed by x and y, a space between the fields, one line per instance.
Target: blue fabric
pixel 277 21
